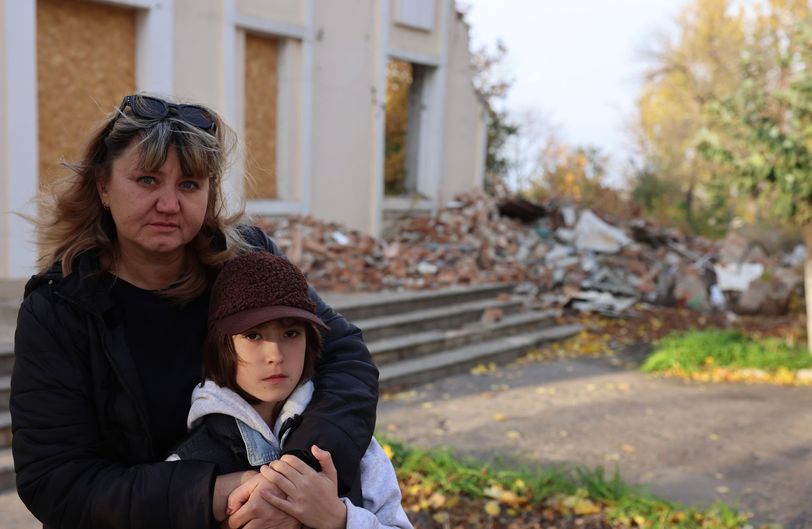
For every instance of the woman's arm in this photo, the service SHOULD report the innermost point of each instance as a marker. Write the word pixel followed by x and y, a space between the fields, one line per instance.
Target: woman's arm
pixel 65 475
pixel 341 416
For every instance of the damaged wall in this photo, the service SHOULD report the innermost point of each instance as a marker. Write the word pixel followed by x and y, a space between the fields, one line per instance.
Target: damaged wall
pixel 465 121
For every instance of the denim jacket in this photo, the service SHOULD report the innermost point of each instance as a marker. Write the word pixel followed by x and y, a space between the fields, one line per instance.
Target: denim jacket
pixel 261 443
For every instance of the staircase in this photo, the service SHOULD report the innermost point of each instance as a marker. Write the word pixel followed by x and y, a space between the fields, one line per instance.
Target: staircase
pixel 11 293
pixel 414 337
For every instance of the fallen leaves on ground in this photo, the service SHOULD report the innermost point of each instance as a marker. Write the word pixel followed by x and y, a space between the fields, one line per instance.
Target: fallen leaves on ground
pixel 604 336
pixel 440 491
pixel 781 377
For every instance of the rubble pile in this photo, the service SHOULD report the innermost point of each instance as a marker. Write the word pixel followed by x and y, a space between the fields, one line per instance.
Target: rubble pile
pixel 565 256
pixel 466 242
pixel 332 257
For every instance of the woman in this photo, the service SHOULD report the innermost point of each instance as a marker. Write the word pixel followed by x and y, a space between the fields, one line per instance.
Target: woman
pixel 109 335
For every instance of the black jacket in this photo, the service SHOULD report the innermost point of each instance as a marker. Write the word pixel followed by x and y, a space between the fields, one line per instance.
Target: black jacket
pixel 81 446
pixel 216 439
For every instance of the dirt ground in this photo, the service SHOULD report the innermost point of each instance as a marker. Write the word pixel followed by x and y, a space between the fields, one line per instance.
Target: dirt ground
pixel 749 445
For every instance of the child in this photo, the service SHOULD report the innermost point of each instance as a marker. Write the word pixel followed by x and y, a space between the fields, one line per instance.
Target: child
pixel 259 354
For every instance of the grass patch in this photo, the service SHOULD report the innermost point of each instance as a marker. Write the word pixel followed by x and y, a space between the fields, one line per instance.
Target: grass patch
pixel 695 351
pixel 441 490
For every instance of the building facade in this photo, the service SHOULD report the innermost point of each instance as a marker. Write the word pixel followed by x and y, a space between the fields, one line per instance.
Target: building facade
pixel 304 84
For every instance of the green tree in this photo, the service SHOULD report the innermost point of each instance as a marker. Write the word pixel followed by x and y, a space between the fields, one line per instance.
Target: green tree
pixel 686 73
pixel 576 174
pixel 762 141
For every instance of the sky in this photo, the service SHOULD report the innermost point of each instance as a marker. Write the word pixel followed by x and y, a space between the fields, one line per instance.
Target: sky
pixel 577 64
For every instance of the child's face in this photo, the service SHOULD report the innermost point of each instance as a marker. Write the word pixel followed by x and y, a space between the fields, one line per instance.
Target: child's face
pixel 270 359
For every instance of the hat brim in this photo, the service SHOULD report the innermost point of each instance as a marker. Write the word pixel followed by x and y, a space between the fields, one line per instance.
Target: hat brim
pixel 246 319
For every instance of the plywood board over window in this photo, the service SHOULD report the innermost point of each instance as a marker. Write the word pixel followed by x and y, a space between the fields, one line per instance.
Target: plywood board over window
pixel 261 96
pixel 85 65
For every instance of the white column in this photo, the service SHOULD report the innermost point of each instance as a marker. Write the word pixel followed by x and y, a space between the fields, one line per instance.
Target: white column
pixel 381 58
pixel 440 87
pixel 154 46
pixel 22 168
pixel 233 90
pixel 309 45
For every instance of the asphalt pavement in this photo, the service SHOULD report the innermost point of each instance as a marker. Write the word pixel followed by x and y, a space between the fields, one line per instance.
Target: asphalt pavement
pixel 749 445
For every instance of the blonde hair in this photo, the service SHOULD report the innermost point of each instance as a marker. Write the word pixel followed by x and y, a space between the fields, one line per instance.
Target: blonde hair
pixel 72 219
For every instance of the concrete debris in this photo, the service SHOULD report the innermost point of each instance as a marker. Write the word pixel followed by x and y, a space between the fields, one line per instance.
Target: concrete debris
pixel 600 302
pixel 606 280
pixel 717 298
pixel 561 255
pixel 491 316
pixel 691 291
pixel 767 295
pixel 592 233
pixel 565 235
pixel 737 277
pixel 569 215
pixel 797 258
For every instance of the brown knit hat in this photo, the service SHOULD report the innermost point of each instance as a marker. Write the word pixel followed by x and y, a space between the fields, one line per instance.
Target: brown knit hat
pixel 257 287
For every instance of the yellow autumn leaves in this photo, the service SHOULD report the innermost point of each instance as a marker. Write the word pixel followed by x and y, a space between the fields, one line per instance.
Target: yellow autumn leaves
pixel 421 496
pixel 781 376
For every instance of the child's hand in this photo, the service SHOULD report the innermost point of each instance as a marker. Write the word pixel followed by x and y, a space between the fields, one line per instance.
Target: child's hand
pixel 312 497
pixel 249 508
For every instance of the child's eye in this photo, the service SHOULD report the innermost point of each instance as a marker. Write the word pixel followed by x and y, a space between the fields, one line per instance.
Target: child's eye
pixel 292 333
pixel 252 335
pixel 146 179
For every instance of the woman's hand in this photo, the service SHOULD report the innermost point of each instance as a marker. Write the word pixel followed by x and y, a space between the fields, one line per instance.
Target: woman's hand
pixel 249 508
pixel 312 497
pixel 224 485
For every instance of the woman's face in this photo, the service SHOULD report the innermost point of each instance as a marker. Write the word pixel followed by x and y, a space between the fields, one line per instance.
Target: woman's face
pixel 156 213
pixel 270 360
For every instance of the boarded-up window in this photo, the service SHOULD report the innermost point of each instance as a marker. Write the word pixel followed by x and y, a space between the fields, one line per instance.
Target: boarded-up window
pixel 261 93
pixel 85 66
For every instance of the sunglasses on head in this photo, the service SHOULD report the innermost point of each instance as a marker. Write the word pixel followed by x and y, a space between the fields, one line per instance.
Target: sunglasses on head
pixel 146 107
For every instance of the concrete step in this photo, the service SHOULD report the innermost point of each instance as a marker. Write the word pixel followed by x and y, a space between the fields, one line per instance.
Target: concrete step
pixel 6 469
pixel 5 429
pixel 365 306
pixel 429 342
pixel 424 369
pixel 8 319
pixel 6 358
pixel 5 391
pixel 445 317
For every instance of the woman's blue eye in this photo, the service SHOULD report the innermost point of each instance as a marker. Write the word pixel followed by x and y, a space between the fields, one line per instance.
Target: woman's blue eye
pixel 189 185
pixel 149 180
